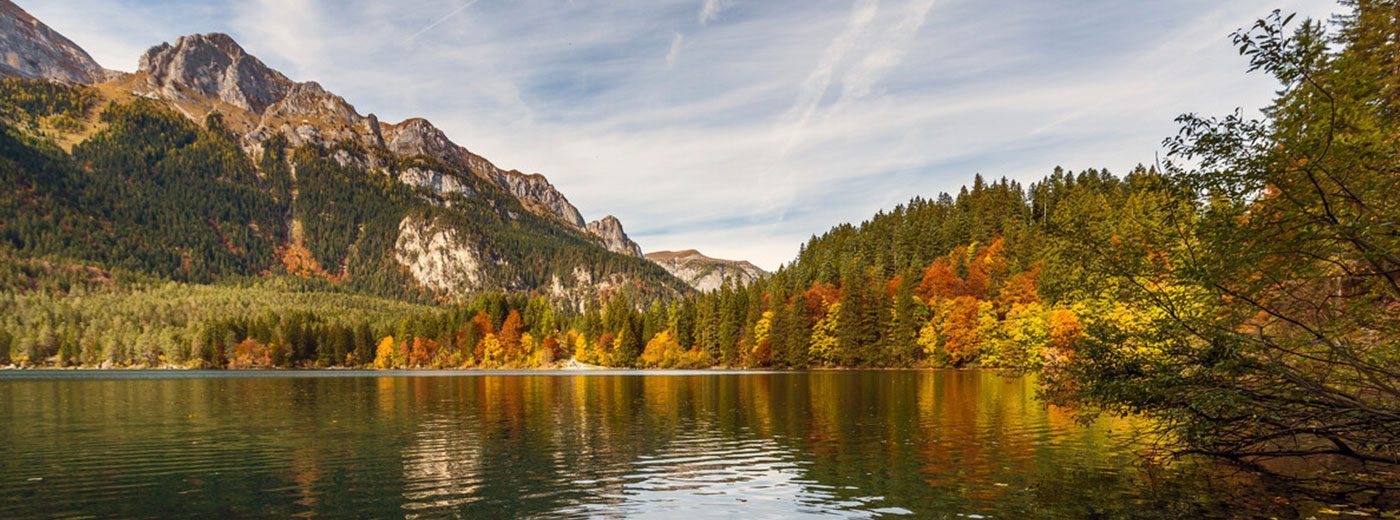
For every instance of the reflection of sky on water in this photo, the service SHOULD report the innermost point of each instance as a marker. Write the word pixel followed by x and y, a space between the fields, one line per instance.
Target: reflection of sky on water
pixel 442 466
pixel 708 476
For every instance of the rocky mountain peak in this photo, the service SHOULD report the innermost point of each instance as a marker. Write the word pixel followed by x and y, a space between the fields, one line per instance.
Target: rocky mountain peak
pixel 215 66
pixel 537 189
pixel 705 273
pixel 30 49
pixel 417 136
pixel 609 230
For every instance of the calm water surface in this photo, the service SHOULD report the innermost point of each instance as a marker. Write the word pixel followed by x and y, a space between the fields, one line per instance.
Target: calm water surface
pixel 750 445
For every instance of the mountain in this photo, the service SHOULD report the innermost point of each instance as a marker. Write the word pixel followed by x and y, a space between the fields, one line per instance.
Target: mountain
pixel 614 238
pixel 211 72
pixel 265 174
pixel 30 49
pixel 705 273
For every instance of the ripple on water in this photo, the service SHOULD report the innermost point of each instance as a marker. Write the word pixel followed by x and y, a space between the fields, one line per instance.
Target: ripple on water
pixel 708 476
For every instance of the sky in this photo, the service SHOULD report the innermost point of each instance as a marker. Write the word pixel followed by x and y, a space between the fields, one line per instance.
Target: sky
pixel 743 127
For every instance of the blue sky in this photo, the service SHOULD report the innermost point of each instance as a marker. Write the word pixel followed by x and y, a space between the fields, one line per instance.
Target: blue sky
pixel 743 127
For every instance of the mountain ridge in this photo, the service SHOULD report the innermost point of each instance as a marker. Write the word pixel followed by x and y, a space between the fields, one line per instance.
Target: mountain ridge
pixel 705 273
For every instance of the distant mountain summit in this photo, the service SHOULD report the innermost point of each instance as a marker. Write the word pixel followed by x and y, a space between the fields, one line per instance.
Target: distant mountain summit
pixel 609 228
pixel 705 273
pixel 360 199
pixel 30 49
pixel 213 67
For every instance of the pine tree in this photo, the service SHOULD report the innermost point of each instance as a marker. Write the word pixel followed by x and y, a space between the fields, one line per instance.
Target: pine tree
pixel 900 345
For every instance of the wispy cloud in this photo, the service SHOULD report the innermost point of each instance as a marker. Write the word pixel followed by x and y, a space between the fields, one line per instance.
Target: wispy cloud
pixel 711 9
pixel 788 117
pixel 815 86
pixel 887 52
pixel 674 52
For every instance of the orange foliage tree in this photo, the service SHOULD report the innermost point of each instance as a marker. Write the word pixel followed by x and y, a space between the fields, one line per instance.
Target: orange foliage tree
pixel 422 352
pixel 509 336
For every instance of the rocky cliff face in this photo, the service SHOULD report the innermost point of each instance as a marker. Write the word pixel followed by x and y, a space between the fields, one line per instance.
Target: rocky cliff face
pixel 438 257
pixel 609 231
pixel 213 66
pixel 705 273
pixel 30 49
pixel 539 195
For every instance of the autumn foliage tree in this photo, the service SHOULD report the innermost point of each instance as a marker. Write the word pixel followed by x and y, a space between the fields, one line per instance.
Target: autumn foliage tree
pixel 1263 301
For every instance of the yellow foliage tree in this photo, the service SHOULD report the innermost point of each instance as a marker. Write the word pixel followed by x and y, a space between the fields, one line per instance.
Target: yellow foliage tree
pixel 663 351
pixel 1020 340
pixel 529 350
pixel 762 352
pixel 386 355
pixel 824 339
pixel 492 351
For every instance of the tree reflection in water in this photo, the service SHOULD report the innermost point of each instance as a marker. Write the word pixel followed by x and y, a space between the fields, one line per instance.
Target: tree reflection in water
pixel 854 444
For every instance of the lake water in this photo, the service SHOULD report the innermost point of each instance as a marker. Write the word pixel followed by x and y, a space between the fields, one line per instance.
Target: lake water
pixel 722 445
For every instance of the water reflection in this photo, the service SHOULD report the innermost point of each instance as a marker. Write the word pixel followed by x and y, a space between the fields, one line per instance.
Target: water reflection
pixel 851 444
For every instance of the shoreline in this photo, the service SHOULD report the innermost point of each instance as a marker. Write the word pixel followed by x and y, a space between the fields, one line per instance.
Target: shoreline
pixel 11 373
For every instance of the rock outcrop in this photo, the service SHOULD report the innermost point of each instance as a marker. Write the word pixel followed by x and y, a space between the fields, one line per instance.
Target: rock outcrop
pixel 609 231
pixel 216 67
pixel 30 49
pixel 309 105
pixel 705 273
pixel 538 195
pixel 438 257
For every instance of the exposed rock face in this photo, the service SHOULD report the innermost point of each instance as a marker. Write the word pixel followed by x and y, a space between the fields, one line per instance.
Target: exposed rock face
pixel 705 273
pixel 434 180
pixel 539 195
pixel 419 137
pixel 214 66
pixel 30 49
pixel 309 105
pixel 609 231
pixel 438 257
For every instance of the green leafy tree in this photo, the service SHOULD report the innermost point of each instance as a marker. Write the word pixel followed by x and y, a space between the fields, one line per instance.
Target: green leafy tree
pixel 1265 327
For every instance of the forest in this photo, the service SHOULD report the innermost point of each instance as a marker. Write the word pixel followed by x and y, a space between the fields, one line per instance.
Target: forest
pixel 1244 292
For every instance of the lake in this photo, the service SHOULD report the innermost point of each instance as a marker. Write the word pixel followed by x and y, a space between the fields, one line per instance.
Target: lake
pixel 556 444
